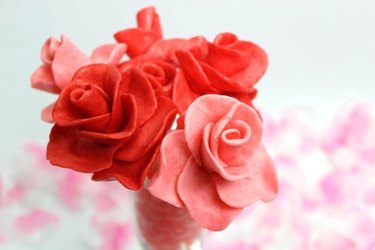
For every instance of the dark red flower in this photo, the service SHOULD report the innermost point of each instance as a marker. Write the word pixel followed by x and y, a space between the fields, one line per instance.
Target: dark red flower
pixel 109 123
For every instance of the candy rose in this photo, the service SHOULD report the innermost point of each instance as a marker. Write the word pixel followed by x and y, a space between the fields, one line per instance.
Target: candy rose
pixel 160 73
pixel 109 123
pixel 230 67
pixel 217 165
pixel 61 59
pixel 141 38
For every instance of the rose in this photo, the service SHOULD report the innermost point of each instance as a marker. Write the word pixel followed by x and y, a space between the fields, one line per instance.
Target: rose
pixel 159 62
pixel 61 59
pixel 160 73
pixel 230 67
pixel 109 123
pixel 141 38
pixel 217 165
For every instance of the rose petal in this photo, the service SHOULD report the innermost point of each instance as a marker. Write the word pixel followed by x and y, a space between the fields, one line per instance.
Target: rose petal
pixel 165 49
pixel 174 154
pixel 150 133
pixel 257 67
pixel 204 110
pixel 261 184
pixel 49 50
pixel 123 118
pixel 130 174
pixel 182 95
pixel 68 59
pixel 47 113
pixel 246 121
pixel 212 163
pixel 194 73
pixel 221 82
pixel 135 83
pixel 224 58
pixel 197 190
pixel 68 150
pixel 42 79
pixel 108 54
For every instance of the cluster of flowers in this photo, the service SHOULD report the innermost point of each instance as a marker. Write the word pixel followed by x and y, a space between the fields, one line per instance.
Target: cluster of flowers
pixel 113 114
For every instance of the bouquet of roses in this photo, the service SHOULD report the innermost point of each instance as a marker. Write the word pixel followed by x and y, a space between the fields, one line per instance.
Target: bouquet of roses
pixel 115 109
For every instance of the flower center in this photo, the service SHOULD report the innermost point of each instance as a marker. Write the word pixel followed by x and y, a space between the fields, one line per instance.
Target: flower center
pixel 90 101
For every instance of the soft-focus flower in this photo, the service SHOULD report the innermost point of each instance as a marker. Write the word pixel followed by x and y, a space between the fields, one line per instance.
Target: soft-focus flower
pixel 217 165
pixel 109 123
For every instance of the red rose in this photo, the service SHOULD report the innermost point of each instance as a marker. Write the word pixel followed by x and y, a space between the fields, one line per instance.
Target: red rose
pixel 230 67
pixel 141 38
pixel 109 123
pixel 160 73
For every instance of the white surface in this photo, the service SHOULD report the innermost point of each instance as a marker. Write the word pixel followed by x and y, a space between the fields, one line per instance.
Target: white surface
pixel 321 52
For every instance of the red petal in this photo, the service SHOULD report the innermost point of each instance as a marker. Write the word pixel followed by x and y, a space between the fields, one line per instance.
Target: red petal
pixel 150 133
pixel 194 73
pixel 66 114
pixel 130 174
pixel 174 154
pixel 135 83
pixel 224 58
pixel 182 94
pixel 69 150
pixel 148 19
pixel 106 77
pixel 197 190
pixel 258 65
pixel 165 49
pixel 221 82
pixel 123 122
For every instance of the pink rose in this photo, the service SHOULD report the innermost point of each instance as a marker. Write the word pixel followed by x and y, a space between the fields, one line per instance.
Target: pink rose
pixel 61 59
pixel 217 165
pixel 230 67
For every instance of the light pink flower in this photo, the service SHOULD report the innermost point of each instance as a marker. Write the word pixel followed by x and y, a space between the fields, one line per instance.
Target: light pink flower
pixel 217 165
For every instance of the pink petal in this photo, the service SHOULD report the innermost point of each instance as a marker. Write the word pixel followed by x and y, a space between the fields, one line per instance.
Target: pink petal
pixel 49 50
pixel 174 154
pixel 108 54
pixel 47 113
pixel 204 110
pixel 197 190
pixel 42 79
pixel 212 163
pixel 68 59
pixel 34 221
